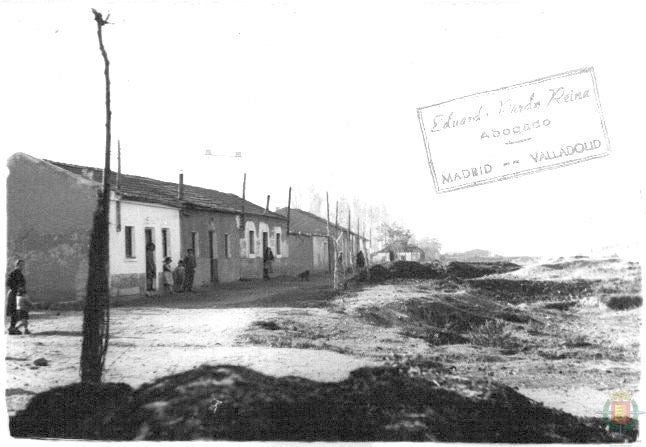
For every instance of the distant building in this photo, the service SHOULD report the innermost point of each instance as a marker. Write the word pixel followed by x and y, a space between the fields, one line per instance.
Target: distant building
pixel 50 207
pixel 408 253
pixel 309 243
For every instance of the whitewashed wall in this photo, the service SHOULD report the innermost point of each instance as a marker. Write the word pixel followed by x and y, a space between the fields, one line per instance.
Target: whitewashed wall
pixel 141 216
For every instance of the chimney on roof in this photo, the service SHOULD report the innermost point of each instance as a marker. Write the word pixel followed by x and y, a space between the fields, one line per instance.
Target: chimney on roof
pixel 180 187
pixel 267 207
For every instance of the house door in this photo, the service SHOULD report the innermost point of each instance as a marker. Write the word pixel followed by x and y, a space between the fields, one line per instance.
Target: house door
pixel 265 241
pixel 213 255
pixel 151 270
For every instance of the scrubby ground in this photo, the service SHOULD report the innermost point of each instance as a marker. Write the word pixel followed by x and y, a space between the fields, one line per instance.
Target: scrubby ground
pixel 550 331
pixel 441 358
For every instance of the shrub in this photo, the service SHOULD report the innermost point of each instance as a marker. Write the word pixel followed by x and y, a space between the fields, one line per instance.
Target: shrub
pixel 624 302
pixel 493 333
pixel 269 325
pixel 576 341
pixel 535 327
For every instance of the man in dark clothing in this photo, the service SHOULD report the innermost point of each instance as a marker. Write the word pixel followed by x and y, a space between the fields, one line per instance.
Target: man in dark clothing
pixel 189 266
pixel 15 282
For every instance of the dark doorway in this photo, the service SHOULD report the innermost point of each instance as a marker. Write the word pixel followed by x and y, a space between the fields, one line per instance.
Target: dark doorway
pixel 265 240
pixel 213 255
pixel 151 268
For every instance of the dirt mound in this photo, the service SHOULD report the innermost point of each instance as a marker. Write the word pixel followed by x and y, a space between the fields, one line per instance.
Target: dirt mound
pixel 442 318
pixel 410 269
pixel 407 270
pixel 79 411
pixel 519 291
pixel 445 315
pixel 436 270
pixel 379 273
pixel 466 270
pixel 561 305
pixel 392 403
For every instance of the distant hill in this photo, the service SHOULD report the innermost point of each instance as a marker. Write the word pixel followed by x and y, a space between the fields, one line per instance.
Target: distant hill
pixel 478 255
pixel 474 255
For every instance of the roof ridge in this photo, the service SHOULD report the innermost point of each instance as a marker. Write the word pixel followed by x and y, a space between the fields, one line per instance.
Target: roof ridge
pixel 338 226
pixel 194 188
pixel 112 172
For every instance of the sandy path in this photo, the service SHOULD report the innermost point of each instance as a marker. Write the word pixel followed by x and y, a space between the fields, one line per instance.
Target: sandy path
pixel 153 342
pixel 578 400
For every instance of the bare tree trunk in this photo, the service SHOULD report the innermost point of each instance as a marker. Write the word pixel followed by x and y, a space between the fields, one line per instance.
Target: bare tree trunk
pixel 329 241
pixel 350 254
pixel 337 266
pixel 369 249
pixel 367 253
pixel 96 314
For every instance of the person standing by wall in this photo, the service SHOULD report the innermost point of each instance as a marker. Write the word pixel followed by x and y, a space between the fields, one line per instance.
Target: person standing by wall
pixel 361 265
pixel 267 258
pixel 15 282
pixel 151 268
pixel 189 268
pixel 179 276
pixel 24 305
pixel 168 276
pixel 339 273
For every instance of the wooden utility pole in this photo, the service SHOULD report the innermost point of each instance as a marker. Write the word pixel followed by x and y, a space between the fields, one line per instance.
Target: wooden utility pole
pixel 96 312
pixel 244 191
pixel 349 246
pixel 117 203
pixel 289 208
pixel 330 263
pixel 336 219
pixel 358 230
pixel 118 183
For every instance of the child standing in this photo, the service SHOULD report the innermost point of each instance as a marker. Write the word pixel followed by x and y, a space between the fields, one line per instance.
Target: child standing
pixel 168 275
pixel 23 306
pixel 178 276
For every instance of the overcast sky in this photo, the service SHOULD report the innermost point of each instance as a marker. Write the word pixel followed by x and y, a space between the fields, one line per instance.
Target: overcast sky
pixel 325 94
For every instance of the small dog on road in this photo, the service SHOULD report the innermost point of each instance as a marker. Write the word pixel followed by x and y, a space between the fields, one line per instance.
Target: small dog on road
pixel 305 276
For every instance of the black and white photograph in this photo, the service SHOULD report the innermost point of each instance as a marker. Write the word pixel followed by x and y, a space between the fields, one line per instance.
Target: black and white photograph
pixel 333 221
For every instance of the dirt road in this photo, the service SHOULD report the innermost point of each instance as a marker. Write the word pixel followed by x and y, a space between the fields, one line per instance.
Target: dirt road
pixel 154 337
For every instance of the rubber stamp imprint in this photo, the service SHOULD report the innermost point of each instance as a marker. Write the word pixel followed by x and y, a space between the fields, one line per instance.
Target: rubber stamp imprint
pixel 521 129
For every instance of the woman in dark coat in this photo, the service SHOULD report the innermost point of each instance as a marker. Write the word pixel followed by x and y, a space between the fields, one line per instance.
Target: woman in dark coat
pixel 267 258
pixel 15 281
pixel 151 268
pixel 361 265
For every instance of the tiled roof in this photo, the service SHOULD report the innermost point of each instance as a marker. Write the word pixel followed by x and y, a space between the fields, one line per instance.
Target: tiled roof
pixel 149 190
pixel 307 223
